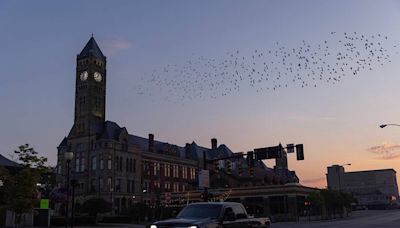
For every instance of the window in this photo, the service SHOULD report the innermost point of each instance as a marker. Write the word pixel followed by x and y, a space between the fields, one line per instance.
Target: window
pixel 120 164
pixel 77 163
pixel 100 184
pixel 127 165
pixel 167 186
pixel 145 168
pixel 118 185
pixel 192 173
pixel 109 184
pixel 184 172
pixel 239 212
pixel 175 171
pixel 94 163
pixel 82 164
pixel 130 165
pixel 156 168
pixel 116 162
pixel 134 165
pixel 93 185
pixel 109 162
pixel 176 187
pixel 130 186
pixel 167 170
pixel 101 164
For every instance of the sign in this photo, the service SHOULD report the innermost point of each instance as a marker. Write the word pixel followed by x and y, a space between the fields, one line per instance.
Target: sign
pixel 44 204
pixel 290 148
pixel 268 152
pixel 204 179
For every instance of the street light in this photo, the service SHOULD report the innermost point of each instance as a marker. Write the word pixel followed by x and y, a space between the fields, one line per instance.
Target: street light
pixel 68 158
pixel 74 184
pixel 384 125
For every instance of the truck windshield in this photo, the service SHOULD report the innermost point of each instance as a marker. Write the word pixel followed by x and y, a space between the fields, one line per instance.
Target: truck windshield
pixel 200 211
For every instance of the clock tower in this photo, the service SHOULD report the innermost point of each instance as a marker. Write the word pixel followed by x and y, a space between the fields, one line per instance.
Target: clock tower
pixel 90 89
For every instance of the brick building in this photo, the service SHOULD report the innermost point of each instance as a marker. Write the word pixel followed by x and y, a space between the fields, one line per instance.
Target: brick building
pixel 122 168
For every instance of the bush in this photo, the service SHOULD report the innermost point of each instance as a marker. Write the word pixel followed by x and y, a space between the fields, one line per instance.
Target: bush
pixel 95 206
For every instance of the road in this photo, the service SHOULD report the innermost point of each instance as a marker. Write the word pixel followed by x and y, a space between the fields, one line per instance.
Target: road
pixel 359 219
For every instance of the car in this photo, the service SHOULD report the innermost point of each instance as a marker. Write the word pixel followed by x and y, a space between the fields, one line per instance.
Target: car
pixel 213 215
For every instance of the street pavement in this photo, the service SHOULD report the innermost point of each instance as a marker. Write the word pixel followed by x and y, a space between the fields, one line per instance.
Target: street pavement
pixel 359 219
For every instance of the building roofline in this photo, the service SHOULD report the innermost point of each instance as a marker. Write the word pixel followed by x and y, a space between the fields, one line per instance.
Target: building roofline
pixel 375 170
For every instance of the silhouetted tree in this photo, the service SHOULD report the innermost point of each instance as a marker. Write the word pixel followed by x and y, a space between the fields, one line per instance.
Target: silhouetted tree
pixel 19 191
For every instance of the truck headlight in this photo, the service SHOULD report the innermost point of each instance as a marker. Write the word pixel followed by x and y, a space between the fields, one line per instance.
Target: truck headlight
pixel 153 226
pixel 192 227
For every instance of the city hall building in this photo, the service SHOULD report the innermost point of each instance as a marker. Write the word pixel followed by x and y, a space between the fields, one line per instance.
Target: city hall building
pixel 122 168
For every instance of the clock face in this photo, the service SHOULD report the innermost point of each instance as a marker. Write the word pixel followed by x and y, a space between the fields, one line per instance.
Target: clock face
pixel 97 76
pixel 84 75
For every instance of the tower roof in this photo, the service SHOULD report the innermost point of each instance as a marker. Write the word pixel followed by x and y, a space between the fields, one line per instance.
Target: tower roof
pixel 91 49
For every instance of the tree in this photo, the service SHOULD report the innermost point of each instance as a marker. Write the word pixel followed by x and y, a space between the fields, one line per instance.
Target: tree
pixel 19 190
pixel 29 158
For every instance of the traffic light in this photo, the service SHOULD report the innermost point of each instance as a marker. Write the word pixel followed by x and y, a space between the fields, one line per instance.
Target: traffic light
pixel 240 168
pixel 300 152
pixel 228 166
pixel 250 158
pixel 216 166
pixel 268 152
pixel 251 171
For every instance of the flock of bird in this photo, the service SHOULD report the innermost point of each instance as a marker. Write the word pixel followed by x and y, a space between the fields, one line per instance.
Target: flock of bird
pixel 306 65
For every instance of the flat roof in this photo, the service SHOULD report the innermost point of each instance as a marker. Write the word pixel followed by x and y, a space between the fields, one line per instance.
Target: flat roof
pixel 375 170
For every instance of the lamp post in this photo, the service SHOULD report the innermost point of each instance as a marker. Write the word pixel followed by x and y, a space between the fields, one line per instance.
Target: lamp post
pixel 340 184
pixel 68 157
pixel 74 183
pixel 385 125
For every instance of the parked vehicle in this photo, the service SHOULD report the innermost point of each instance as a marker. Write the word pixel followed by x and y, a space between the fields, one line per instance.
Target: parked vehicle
pixel 213 215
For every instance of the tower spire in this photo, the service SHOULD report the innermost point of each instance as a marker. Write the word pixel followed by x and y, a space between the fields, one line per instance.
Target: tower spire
pixel 91 49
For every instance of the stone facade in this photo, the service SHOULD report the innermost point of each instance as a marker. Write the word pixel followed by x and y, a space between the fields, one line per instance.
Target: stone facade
pixel 123 168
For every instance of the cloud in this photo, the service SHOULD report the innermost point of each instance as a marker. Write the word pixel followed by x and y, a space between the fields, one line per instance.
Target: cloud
pixel 116 45
pixel 386 151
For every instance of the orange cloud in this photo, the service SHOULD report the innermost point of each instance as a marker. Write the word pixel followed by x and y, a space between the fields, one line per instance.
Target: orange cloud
pixel 386 151
pixel 113 46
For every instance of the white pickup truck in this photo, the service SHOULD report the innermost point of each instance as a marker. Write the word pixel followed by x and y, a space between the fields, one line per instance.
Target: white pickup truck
pixel 213 215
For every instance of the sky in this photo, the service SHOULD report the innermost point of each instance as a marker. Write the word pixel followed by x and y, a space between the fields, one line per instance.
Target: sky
pixel 338 123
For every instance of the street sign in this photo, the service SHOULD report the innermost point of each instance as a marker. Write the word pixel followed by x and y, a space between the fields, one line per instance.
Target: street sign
pixel 44 204
pixel 268 152
pixel 204 179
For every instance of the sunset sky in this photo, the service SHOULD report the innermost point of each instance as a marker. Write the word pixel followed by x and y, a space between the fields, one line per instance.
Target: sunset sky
pixel 337 123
